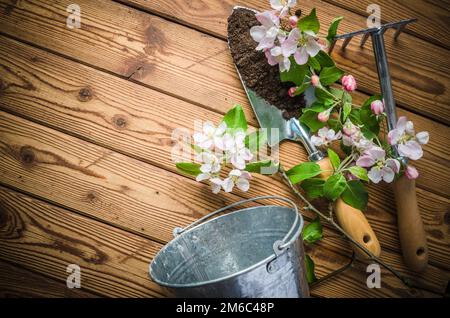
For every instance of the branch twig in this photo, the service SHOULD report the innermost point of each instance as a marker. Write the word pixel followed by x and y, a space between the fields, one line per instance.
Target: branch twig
pixel 330 219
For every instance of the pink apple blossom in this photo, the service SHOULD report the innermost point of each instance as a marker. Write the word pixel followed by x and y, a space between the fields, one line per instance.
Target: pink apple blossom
pixel 293 21
pixel 407 141
pixel 291 91
pixel 266 33
pixel 377 107
pixel 325 136
pixel 381 168
pixel 411 173
pixel 315 80
pixel 282 6
pixel 349 83
pixel 307 46
pixel 286 48
pixel 323 116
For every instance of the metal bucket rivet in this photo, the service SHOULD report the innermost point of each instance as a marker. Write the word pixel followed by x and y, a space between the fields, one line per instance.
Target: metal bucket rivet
pixel 252 252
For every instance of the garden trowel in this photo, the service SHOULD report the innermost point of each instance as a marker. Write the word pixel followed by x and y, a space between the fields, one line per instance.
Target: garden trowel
pixel 410 225
pixel 278 128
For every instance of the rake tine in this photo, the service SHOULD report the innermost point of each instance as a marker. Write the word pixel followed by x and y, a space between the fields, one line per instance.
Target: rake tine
pixel 346 42
pixel 399 30
pixel 364 39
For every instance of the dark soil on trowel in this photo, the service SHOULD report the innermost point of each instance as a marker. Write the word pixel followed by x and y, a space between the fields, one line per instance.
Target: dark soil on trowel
pixel 257 74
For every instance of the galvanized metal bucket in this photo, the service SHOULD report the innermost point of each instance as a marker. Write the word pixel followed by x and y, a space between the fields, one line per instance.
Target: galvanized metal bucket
pixel 252 252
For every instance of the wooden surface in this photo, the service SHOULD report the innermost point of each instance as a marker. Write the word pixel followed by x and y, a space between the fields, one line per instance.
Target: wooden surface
pixel 86 118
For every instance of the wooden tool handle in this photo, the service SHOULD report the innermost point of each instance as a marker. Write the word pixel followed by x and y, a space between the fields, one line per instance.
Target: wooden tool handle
pixel 410 225
pixel 352 220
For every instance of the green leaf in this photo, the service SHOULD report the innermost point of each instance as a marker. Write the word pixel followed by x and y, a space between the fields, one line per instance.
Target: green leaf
pixel 313 187
pixel 334 124
pixel 255 140
pixel 235 118
pixel 189 168
pixel 324 96
pixel 346 111
pixel 300 89
pixel 355 194
pixel 316 107
pixel 368 119
pixel 334 186
pixel 313 231
pixel 196 148
pixel 310 276
pixel 309 118
pixel 337 93
pixel 303 171
pixel 324 59
pixel 296 73
pixel 312 61
pixel 309 22
pixel 258 167
pixel 334 158
pixel 359 172
pixel 330 75
pixel 346 97
pixel 332 30
pixel 355 116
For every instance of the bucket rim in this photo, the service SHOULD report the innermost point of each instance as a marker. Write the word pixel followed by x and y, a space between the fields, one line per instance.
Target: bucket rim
pixel 271 257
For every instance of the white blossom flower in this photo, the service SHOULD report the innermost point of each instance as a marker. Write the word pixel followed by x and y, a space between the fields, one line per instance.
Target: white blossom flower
pixel 266 33
pixel 216 184
pixel 307 46
pixel 211 163
pixel 353 137
pixel 205 139
pixel 325 136
pixel 382 168
pixel 282 6
pixel 407 141
pixel 280 54
pixel 238 178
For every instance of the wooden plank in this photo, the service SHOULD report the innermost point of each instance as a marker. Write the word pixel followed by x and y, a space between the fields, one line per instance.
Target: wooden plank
pixel 102 183
pixel 414 63
pixel 16 282
pixel 197 67
pixel 150 119
pixel 434 16
pixel 47 239
pixel 33 81
pixel 113 188
pixel 114 263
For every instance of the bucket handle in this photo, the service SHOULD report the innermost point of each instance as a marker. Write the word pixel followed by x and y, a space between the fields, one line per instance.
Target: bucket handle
pixel 278 246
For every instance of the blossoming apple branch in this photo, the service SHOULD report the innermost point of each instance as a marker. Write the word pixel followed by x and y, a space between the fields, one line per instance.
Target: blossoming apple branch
pixel 353 136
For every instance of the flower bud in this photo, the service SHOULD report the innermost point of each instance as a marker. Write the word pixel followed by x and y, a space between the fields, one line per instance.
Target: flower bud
pixel 315 80
pixel 323 116
pixel 293 21
pixel 377 107
pixel 291 91
pixel 349 83
pixel 411 173
pixel 349 129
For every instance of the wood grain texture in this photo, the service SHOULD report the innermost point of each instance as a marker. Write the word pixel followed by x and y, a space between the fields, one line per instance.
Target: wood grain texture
pixel 198 67
pixel 433 15
pixel 16 282
pixel 419 69
pixel 45 238
pixel 148 118
pixel 117 189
